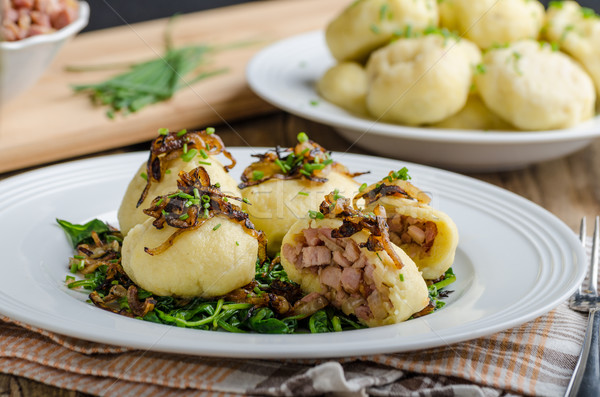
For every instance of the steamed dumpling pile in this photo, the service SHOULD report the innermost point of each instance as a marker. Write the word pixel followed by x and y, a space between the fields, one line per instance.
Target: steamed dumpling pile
pixel 427 235
pixel 195 244
pixel 433 75
pixel 170 153
pixel 282 186
pixel 347 257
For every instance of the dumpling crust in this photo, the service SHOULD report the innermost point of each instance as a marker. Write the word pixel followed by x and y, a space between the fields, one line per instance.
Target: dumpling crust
pixel 207 262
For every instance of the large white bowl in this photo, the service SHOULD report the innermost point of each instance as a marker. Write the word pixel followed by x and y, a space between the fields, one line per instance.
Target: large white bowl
pixel 23 62
pixel 285 75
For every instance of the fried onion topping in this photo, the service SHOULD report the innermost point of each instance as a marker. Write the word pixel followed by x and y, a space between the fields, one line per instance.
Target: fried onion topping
pixel 396 185
pixel 180 144
pixel 335 206
pixel 193 204
pixel 307 160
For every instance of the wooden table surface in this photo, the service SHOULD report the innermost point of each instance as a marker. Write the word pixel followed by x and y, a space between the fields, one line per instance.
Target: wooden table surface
pixel 567 187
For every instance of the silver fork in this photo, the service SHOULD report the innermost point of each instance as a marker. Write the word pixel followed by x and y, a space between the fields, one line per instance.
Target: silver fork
pixel 586 378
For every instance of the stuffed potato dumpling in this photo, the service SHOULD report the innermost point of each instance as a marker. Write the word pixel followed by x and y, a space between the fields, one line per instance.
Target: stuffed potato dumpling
pixel 534 87
pixel 366 25
pixel 197 243
pixel 427 235
pixel 577 31
pixel 282 186
pixel 347 257
pixel 171 153
pixel 493 22
pixel 421 80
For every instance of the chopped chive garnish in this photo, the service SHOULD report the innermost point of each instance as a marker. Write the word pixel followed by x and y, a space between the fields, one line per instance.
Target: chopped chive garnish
pixel 159 202
pixel 167 171
pixel 257 175
pixel 236 243
pixel 401 277
pixel 362 187
pixel 163 131
pixel 184 217
pixel 210 130
pixel 185 148
pixel 79 257
pixel 165 213
pixel 304 172
pixel 281 165
pixel 69 278
pixel 315 214
pixel 217 185
pixel 303 193
pixel 203 154
pixel 205 198
pixel 144 176
pixel 302 137
pixel 203 162
pixel 245 200
pixel 196 193
pixel 182 132
pixel 189 155
pixel 216 227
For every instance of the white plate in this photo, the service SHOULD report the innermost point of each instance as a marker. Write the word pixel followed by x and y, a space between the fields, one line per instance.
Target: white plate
pixel 515 261
pixel 284 74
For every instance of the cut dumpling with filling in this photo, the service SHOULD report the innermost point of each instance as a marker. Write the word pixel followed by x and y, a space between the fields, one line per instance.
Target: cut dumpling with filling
pixel 577 32
pixel 346 257
pixel 171 153
pixel 195 245
pixel 366 25
pixel 533 87
pixel 420 80
pixel 427 235
pixel 475 116
pixel 282 186
pixel 345 85
pixel 493 22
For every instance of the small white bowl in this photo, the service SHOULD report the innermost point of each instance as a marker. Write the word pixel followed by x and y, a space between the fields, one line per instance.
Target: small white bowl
pixel 23 62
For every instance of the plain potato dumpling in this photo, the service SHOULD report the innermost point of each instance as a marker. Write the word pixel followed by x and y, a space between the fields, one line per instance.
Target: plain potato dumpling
pixel 388 295
pixel 129 215
pixel 577 32
pixel 535 88
pixel 204 262
pixel 345 85
pixel 493 22
pixel 474 116
pixel 366 25
pixel 276 204
pixel 420 80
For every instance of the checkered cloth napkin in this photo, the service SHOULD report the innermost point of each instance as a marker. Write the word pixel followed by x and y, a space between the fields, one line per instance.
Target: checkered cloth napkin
pixel 536 358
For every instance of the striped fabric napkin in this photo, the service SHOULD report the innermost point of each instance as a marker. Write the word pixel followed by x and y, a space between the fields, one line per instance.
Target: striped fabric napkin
pixel 536 358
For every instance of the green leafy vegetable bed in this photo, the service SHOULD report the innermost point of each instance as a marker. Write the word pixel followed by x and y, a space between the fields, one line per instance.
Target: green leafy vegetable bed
pixel 97 265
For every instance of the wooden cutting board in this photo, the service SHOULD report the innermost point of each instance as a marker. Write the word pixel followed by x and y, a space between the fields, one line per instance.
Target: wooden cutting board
pixel 50 122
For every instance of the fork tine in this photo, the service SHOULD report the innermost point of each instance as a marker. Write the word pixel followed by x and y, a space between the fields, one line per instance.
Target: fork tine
pixel 582 239
pixel 593 281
